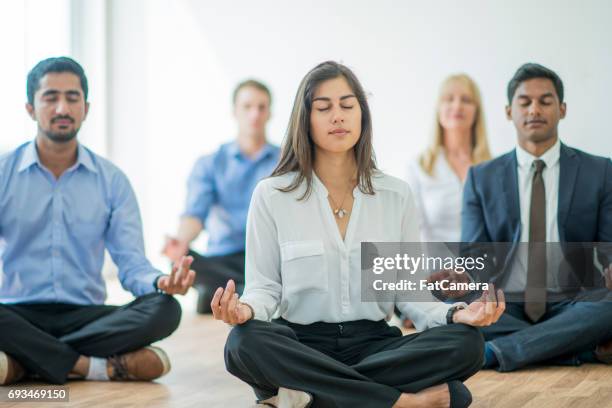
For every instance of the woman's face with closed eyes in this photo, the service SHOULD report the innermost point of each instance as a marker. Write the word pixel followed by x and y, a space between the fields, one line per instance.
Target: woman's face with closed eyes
pixel 335 118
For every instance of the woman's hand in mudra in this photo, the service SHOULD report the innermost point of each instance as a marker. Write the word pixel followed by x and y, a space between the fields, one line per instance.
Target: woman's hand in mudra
pixel 484 311
pixel 226 306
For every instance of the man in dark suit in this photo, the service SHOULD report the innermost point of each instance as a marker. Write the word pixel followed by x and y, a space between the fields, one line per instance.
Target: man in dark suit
pixel 539 194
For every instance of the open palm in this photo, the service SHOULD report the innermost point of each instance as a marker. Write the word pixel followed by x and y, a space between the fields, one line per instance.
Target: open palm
pixel 483 312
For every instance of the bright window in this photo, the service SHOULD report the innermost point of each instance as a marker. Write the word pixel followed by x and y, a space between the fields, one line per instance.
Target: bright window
pixel 30 30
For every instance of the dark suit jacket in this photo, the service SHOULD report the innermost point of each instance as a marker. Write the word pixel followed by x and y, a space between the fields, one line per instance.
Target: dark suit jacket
pixel 491 211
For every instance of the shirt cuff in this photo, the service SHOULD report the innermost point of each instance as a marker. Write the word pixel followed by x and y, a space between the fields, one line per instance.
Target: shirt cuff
pixel 157 289
pixel 144 285
pixel 258 309
pixel 438 318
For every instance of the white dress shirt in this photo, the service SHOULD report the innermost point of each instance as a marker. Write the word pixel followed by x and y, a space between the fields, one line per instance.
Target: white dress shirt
pixel 518 277
pixel 297 261
pixel 438 198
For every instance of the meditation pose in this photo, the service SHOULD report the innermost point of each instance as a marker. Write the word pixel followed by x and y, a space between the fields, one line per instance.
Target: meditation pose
pixel 544 199
pixel 61 205
pixel 305 227
pixel 219 193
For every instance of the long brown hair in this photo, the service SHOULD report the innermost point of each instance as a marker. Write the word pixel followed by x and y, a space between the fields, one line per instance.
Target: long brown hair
pixel 298 148
pixel 480 146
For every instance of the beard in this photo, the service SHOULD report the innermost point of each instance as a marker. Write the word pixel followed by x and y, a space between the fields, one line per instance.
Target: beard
pixel 60 137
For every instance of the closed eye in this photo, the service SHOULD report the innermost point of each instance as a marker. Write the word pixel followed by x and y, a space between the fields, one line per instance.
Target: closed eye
pixel 547 100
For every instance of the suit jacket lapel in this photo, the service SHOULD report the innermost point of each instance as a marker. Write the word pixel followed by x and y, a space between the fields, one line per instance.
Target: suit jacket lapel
pixel 509 177
pixel 568 170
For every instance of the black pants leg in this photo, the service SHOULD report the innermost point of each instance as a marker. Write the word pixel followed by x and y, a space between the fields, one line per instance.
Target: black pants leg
pixel 270 355
pixel 48 339
pixel 213 272
pixel 24 336
pixel 141 322
pixel 421 360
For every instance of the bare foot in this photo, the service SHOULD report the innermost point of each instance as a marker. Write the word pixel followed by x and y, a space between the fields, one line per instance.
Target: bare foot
pixel 432 397
pixel 407 324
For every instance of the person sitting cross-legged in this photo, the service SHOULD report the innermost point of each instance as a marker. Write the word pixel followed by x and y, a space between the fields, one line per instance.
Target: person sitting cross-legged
pixel 61 205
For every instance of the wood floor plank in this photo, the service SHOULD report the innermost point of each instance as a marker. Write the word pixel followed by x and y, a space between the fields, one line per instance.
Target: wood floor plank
pixel 199 379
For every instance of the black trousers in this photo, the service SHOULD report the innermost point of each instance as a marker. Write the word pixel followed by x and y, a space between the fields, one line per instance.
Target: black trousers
pixel 47 339
pixel 213 272
pixel 353 364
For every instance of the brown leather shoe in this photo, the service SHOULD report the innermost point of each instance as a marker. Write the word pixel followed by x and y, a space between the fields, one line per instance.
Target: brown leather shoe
pixel 10 370
pixel 603 352
pixel 145 364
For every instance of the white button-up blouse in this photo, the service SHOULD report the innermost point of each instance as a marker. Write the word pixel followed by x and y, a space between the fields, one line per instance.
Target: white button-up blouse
pixel 297 261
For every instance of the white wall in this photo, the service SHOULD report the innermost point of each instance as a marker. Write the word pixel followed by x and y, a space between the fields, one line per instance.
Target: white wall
pixel 174 64
pixel 30 30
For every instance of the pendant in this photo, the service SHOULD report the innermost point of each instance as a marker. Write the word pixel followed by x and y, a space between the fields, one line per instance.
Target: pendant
pixel 340 212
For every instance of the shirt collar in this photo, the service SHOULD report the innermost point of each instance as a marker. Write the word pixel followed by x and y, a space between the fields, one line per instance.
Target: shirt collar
pixel 234 151
pixel 550 157
pixel 84 158
pixel 321 190
pixel 266 151
pixel 30 157
pixel 318 185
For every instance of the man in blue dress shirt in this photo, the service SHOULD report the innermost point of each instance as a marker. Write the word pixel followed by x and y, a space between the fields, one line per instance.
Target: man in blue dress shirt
pixel 61 205
pixel 219 193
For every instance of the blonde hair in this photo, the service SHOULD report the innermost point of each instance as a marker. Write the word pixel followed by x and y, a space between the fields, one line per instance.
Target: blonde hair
pixel 480 146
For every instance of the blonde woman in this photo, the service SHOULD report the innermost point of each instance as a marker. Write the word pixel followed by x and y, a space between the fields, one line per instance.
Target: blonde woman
pixel 459 141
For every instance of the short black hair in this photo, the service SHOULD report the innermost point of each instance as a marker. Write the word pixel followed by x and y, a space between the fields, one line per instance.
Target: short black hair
pixel 532 70
pixel 54 64
pixel 251 83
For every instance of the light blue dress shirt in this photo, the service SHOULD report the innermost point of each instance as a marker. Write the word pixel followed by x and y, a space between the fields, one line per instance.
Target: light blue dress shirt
pixel 219 191
pixel 55 230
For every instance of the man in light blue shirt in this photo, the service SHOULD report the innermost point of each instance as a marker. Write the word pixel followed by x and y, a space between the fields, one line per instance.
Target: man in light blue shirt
pixel 61 205
pixel 219 193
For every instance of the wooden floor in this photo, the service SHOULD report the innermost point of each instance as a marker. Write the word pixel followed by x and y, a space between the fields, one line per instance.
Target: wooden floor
pixel 198 379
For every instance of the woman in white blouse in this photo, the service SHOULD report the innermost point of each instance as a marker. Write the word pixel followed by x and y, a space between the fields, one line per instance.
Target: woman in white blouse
pixel 304 230
pixel 459 141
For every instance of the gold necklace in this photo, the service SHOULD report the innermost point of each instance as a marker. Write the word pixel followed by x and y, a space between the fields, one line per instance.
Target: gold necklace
pixel 339 211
